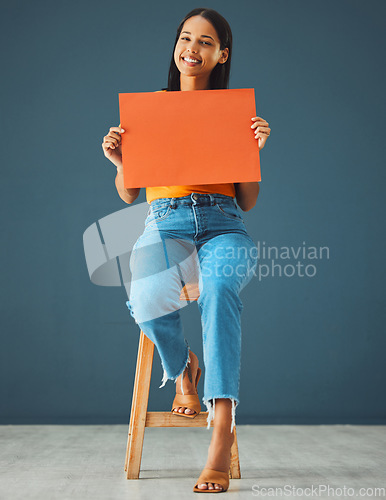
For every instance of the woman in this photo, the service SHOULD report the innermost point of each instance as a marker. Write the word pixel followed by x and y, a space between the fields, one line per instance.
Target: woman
pixel 196 234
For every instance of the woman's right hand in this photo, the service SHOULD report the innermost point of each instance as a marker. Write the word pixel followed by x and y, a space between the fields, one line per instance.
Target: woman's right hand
pixel 111 146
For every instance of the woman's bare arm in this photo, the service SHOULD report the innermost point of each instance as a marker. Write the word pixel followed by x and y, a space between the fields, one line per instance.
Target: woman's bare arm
pixel 128 195
pixel 112 149
pixel 246 194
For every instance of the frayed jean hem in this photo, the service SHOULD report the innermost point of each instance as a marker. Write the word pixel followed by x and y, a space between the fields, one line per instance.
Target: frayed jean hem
pixel 165 377
pixel 210 406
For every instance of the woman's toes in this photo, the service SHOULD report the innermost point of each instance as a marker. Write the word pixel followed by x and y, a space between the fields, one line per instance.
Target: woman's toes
pixel 209 486
pixel 182 409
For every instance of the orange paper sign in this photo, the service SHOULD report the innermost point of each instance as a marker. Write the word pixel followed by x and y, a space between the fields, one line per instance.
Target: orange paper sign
pixel 190 137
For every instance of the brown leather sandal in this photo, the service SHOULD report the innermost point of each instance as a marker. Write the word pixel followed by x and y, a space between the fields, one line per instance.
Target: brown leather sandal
pixel 212 476
pixel 191 401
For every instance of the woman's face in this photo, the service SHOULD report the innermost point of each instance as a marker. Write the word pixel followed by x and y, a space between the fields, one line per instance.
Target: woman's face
pixel 198 40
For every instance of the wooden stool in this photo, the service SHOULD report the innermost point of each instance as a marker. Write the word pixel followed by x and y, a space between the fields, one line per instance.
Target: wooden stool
pixel 141 418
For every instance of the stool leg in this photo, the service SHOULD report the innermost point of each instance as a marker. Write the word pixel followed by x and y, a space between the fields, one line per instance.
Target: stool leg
pixel 234 470
pixel 139 407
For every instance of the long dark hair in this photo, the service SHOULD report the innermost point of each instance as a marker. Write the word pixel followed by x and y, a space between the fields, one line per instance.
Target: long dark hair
pixel 219 78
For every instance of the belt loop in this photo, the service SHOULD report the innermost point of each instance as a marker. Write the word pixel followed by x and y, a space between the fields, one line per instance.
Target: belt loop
pixel 212 199
pixel 173 203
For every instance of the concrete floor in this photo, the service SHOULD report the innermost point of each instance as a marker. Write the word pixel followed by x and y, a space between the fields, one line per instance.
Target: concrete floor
pixel 87 462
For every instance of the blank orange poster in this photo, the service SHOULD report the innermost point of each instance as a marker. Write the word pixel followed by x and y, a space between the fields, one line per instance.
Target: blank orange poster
pixel 190 137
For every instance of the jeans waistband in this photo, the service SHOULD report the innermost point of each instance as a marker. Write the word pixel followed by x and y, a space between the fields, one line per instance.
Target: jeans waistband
pixel 193 199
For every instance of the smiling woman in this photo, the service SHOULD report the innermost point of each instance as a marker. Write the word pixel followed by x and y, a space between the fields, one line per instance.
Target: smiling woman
pixel 197 222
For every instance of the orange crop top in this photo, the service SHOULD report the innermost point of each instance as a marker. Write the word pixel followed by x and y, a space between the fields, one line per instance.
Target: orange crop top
pixel 153 193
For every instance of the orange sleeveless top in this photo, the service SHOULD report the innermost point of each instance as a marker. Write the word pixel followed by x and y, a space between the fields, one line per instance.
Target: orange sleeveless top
pixel 153 192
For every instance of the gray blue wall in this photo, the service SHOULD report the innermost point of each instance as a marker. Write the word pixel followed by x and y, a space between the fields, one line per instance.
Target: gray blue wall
pixel 313 347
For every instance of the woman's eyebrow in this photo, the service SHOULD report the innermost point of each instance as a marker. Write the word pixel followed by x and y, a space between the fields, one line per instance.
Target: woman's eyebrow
pixel 202 36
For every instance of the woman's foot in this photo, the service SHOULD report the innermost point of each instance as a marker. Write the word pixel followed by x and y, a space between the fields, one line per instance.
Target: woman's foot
pixel 188 383
pixel 219 452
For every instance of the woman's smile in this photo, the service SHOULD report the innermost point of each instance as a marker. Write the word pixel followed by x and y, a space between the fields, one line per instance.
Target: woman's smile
pixel 191 61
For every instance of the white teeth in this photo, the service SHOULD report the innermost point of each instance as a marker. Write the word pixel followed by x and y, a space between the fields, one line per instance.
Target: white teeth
pixel 190 60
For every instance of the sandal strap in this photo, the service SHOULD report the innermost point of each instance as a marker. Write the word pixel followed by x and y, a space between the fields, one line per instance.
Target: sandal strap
pixel 213 476
pixel 188 401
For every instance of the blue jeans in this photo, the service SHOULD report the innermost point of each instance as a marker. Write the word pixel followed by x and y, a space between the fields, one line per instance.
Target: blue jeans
pixel 202 239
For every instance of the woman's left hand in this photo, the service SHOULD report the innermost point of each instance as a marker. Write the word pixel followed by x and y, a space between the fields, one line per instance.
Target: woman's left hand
pixel 262 131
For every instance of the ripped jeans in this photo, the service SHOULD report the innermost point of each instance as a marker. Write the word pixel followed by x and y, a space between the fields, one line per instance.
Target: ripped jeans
pixel 196 239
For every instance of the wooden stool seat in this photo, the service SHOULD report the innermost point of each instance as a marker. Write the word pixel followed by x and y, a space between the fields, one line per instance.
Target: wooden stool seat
pixel 141 418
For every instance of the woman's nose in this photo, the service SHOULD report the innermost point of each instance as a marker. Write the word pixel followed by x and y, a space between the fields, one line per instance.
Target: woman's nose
pixel 193 47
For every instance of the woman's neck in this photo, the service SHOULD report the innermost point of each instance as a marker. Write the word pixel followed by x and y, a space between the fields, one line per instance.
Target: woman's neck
pixel 194 83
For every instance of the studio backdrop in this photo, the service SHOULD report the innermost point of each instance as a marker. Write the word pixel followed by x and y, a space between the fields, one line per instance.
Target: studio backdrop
pixel 313 321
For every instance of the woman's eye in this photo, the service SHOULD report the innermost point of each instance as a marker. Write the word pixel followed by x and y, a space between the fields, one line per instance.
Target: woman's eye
pixel 186 38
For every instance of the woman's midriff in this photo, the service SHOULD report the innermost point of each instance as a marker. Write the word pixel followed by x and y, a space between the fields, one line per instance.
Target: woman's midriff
pixel 153 193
